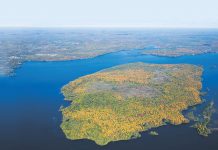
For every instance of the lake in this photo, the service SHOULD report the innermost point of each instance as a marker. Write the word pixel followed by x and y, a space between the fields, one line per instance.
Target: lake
pixel 30 102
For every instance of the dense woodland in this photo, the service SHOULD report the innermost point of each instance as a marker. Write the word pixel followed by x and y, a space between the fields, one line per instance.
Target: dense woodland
pixel 120 102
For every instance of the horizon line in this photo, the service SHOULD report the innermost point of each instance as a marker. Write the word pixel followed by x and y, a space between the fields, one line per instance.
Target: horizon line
pixel 115 26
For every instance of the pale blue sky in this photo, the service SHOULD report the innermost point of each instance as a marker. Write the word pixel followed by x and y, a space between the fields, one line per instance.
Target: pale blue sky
pixel 115 13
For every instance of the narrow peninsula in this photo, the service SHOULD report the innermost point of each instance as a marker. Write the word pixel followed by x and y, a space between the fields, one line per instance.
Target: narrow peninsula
pixel 177 52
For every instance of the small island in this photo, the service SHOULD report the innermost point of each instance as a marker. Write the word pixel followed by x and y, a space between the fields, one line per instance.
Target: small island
pixel 120 102
pixel 204 119
pixel 153 133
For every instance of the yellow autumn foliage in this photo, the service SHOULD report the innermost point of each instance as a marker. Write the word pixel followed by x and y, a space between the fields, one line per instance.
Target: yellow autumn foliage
pixel 106 115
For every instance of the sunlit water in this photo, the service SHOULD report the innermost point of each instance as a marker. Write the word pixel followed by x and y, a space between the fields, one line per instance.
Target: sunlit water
pixel 30 102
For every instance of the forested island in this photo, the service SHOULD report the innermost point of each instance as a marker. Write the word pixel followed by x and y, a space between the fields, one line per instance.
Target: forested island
pixel 202 120
pixel 120 102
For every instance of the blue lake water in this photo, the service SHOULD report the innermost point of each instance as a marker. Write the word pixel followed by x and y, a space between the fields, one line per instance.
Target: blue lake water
pixel 30 102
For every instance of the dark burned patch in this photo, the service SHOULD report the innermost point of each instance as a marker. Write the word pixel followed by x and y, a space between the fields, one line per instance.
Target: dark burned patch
pixel 126 90
pixel 160 77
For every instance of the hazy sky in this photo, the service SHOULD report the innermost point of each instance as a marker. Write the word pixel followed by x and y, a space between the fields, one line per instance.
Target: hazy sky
pixel 142 13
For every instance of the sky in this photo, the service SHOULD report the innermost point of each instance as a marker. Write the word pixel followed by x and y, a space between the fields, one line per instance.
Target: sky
pixel 109 13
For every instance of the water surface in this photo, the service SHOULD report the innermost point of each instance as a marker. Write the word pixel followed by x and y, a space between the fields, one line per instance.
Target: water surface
pixel 30 102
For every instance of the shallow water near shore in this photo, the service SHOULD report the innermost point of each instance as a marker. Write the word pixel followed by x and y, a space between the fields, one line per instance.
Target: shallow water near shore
pixel 30 102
